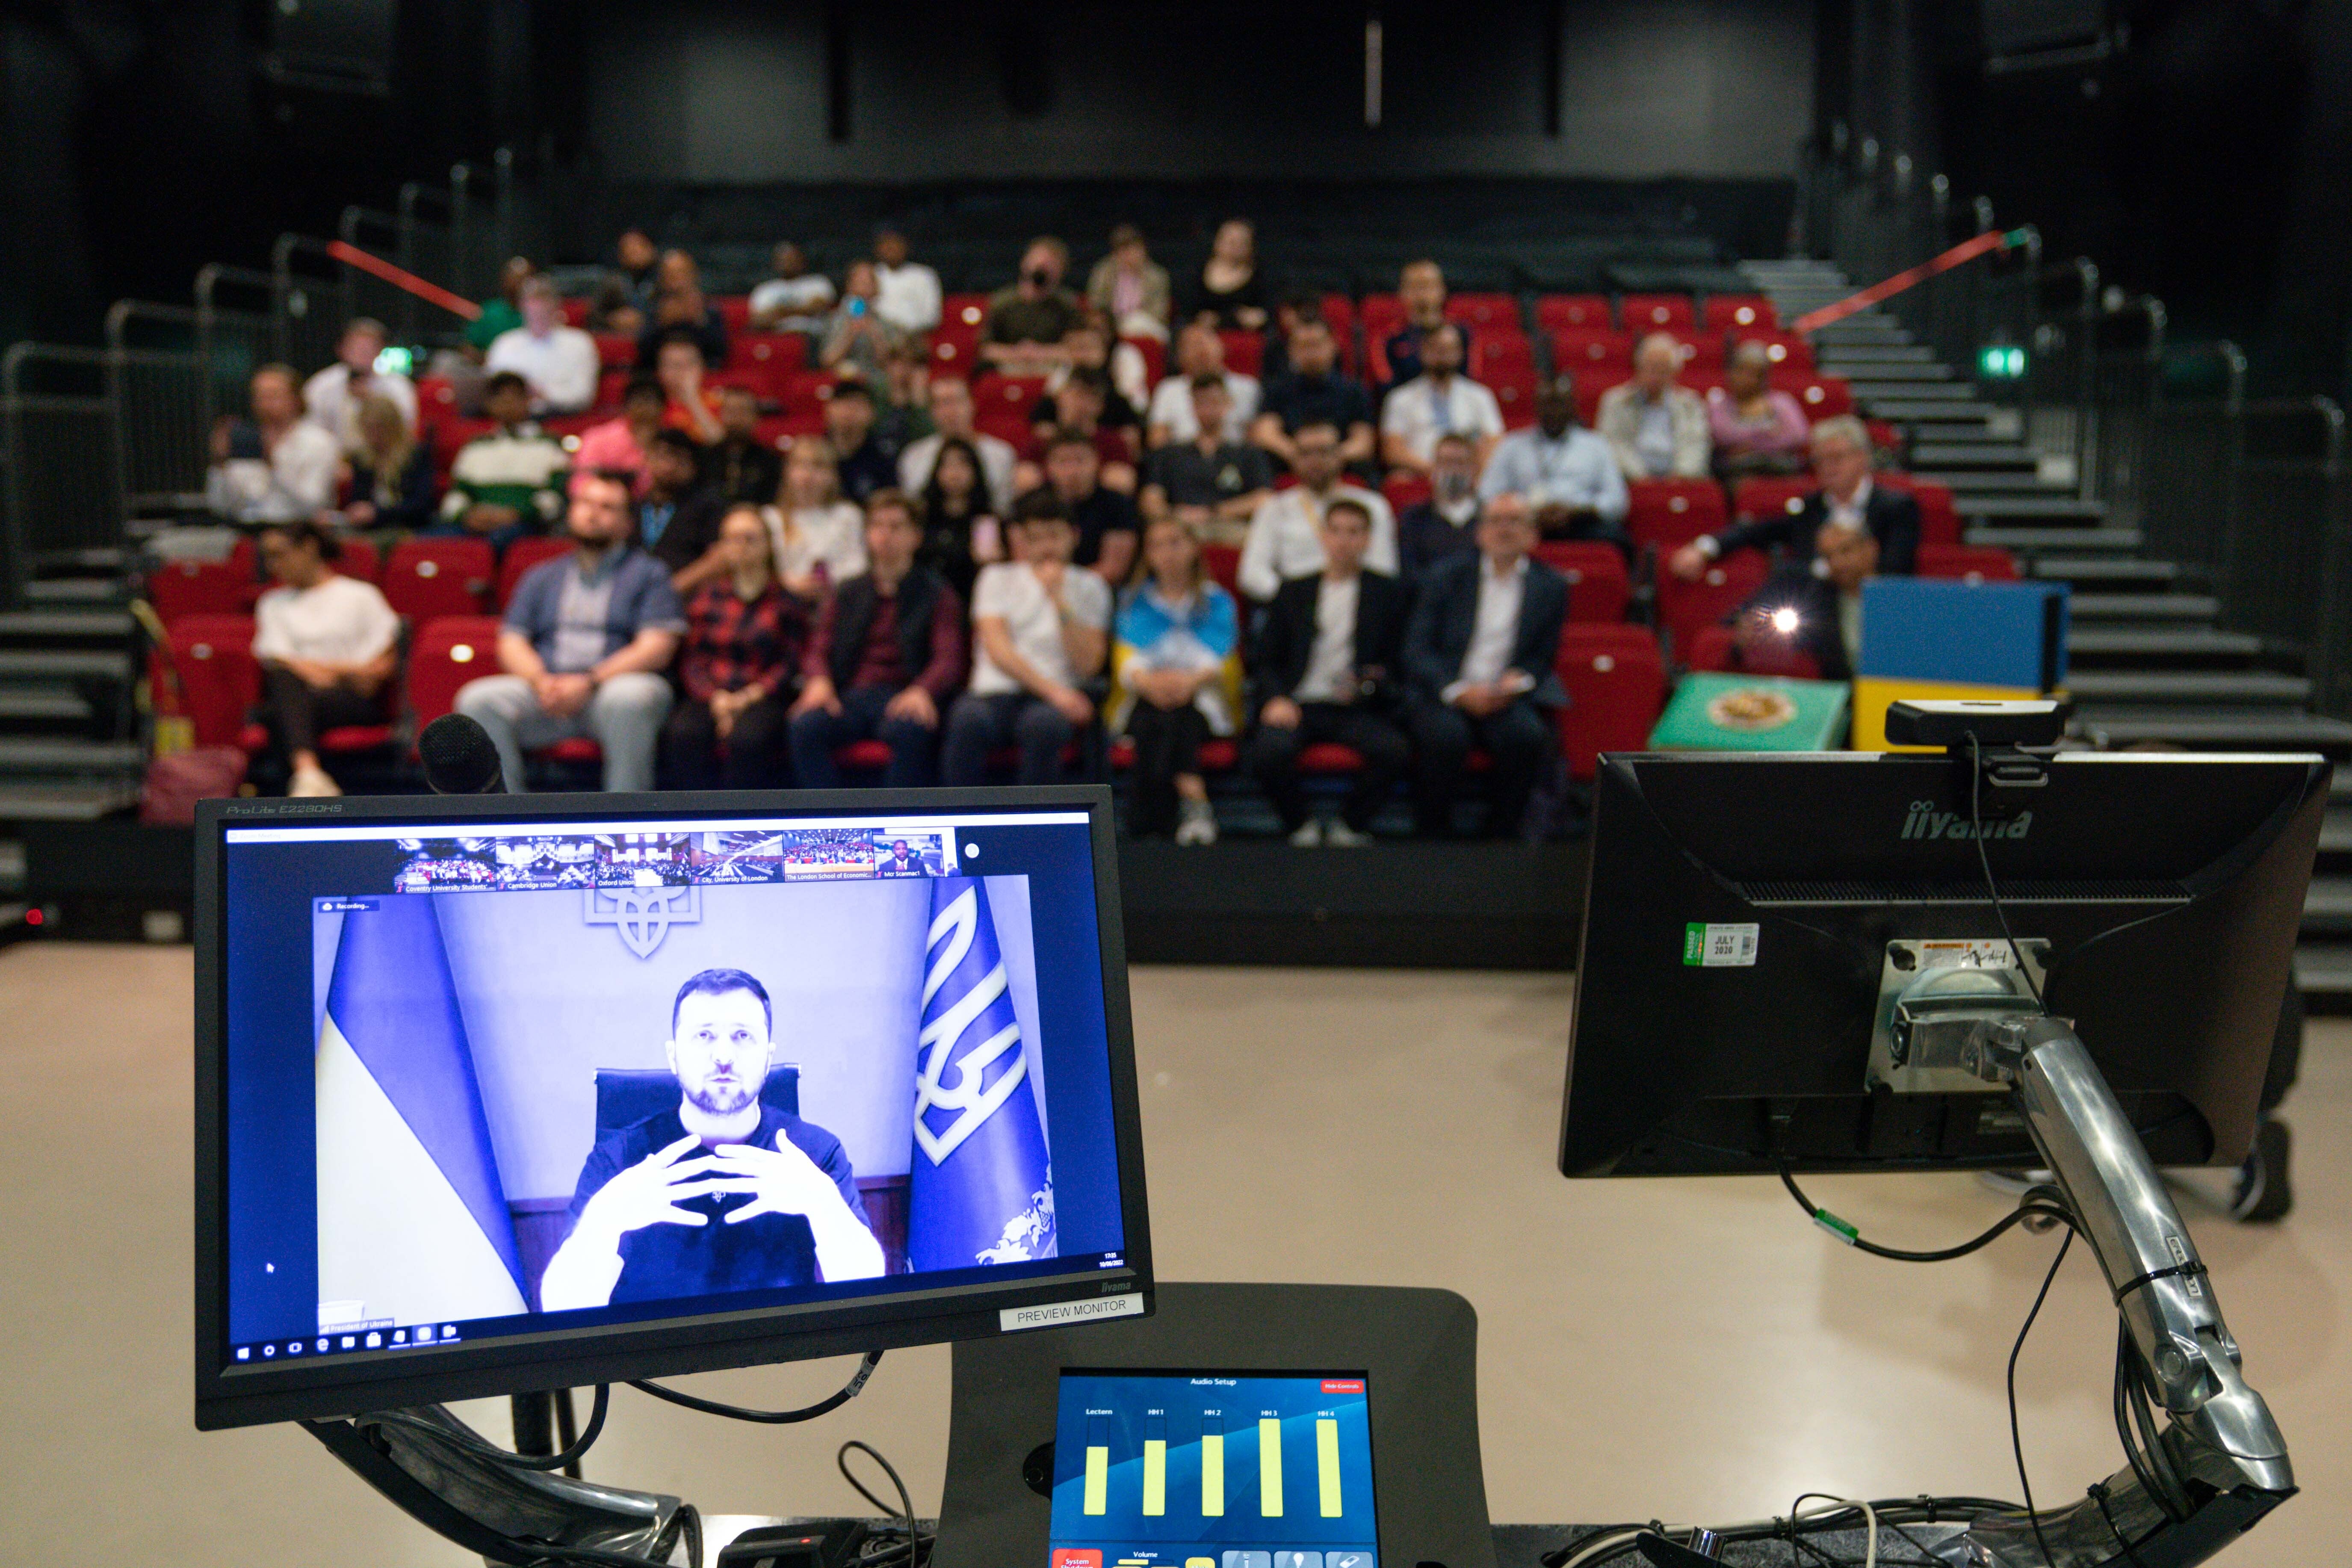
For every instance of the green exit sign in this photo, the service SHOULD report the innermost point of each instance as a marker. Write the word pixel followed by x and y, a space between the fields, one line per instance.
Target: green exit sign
pixel 2001 362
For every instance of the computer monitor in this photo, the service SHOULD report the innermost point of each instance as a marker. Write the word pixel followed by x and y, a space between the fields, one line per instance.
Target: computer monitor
pixel 1753 924
pixel 502 1093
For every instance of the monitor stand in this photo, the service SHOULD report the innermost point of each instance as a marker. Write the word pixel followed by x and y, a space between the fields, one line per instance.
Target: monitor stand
pixel 2221 1445
pixel 503 1513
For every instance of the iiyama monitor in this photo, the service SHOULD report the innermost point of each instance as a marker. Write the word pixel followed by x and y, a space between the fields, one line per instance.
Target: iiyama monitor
pixel 1766 937
pixel 510 1092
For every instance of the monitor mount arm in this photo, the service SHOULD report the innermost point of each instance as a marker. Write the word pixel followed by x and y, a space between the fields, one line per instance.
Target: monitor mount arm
pixel 429 1463
pixel 2222 1449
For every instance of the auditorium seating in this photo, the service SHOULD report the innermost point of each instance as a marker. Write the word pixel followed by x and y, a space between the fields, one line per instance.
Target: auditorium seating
pixel 1557 314
pixel 1713 648
pixel 522 555
pixel 1684 608
pixel 1969 562
pixel 181 589
pixel 426 578
pixel 1599 587
pixel 1667 512
pixel 1616 684
pixel 1734 312
pixel 1646 313
pixel 218 681
pixel 443 656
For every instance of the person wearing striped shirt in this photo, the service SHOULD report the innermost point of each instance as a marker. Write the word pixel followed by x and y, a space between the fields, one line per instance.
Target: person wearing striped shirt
pixel 508 482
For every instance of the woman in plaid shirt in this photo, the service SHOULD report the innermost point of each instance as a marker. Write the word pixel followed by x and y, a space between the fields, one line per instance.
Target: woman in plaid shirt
pixel 744 638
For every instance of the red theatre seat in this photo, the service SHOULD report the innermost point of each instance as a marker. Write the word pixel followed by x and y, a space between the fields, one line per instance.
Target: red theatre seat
pixel 1616 683
pixel 179 589
pixel 1402 490
pixel 862 756
pixel 1484 312
pixel 966 311
pixel 734 313
pixel 445 654
pixel 1668 512
pixel 1789 352
pixel 1939 517
pixel 1245 351
pixel 1223 564
pixel 1658 312
pixel 1685 608
pixel 772 351
pixel 616 351
pixel 1599 588
pixel 1381 314
pixel 1969 562
pixel 1821 396
pixel 521 556
pixel 1713 649
pixel 358 559
pixel 1515 394
pixel 1562 312
pixel 219 682
pixel 955 349
pixel 1732 312
pixel 430 577
pixel 1594 351
pixel 1757 497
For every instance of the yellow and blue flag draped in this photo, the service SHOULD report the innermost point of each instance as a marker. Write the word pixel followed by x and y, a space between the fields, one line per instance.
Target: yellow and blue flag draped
pixel 981 1190
pixel 413 1221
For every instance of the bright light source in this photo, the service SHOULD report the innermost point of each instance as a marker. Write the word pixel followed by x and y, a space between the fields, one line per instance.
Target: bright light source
pixel 1784 620
pixel 394 360
pixel 2001 362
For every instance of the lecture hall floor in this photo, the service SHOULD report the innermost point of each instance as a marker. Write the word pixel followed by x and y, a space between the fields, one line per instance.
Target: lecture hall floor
pixel 1676 1348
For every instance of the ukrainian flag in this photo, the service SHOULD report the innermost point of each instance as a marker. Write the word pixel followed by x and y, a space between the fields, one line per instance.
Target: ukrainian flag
pixel 413 1221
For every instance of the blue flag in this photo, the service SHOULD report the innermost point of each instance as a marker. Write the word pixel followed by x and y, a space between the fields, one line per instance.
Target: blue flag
pixel 981 1190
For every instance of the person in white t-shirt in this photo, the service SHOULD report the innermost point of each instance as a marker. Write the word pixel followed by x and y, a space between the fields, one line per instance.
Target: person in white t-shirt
pixel 796 300
pixel 819 539
pixel 278 468
pixel 558 361
pixel 1440 401
pixel 910 296
pixel 1041 629
pixel 1199 351
pixel 332 397
pixel 326 645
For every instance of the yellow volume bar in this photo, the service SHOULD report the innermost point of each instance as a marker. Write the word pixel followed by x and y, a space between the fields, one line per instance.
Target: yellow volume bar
pixel 1327 1465
pixel 1213 1474
pixel 1269 1467
pixel 1155 1476
pixel 1097 1480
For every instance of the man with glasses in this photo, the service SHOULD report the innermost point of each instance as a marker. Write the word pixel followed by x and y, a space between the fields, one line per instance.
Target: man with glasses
pixel 1286 535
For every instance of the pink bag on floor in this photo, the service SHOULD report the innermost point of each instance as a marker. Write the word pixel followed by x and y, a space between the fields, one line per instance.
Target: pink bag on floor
pixel 177 780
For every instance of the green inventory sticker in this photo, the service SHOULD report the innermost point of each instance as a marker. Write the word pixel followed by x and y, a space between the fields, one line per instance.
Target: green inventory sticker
pixel 1720 946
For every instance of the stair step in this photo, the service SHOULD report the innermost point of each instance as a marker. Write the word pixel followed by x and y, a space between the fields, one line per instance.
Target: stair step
pixel 53 626
pixel 1985 508
pixel 2201 644
pixel 2254 730
pixel 2328 906
pixel 1972 482
pixel 2090 539
pixel 75 591
pixel 2082 568
pixel 2145 607
pixel 63 664
pixel 2323 969
pixel 2235 688
pixel 44 705
pixel 1933 379
pixel 27 801
pixel 1927 410
pixel 1889 352
pixel 2336 831
pixel 1973 455
pixel 59 755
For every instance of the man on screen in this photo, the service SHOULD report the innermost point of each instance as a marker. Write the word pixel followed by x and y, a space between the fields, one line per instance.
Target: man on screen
pixel 653 1217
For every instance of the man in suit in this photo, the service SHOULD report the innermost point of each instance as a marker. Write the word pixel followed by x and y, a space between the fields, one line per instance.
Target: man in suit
pixel 1478 658
pixel 1326 658
pixel 1816 613
pixel 1847 499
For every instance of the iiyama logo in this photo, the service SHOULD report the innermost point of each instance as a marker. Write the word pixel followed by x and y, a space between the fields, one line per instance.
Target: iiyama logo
pixel 1927 822
pixel 285 808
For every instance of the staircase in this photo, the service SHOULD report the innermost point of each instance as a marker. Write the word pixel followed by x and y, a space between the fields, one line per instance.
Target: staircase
pixel 2148 662
pixel 68 744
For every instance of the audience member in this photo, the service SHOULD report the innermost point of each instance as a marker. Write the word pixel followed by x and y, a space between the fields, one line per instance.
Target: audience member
pixel 390 486
pixel 1566 473
pixel 1315 393
pixel 962 532
pixel 1816 613
pixel 1847 499
pixel 1438 401
pixel 278 467
pixel 625 300
pixel 618 446
pixel 741 466
pixel 328 646
pixel 1445 524
pixel 1285 533
pixel 1298 305
pixel 795 299
pixel 1077 408
pixel 680 306
pixel 1230 291
pixel 509 481
pixel 332 397
pixel 901 400
pixel 1028 319
pixel 1325 671
pixel 1211 482
pixel 559 362
pixel 863 464
pixel 857 338
pixel 910 298
pixel 1089 345
pixel 1421 289
pixel 1479 654
pixel 1755 430
pixel 1200 351
pixel 819 537
pixel 1104 521
pixel 952 412
pixel 1129 289
pixel 887 657
pixel 691 403
pixel 1175 682
pixel 1656 427
pixel 583 640
pixel 1041 630
pixel 677 517
pixel 736 668
pixel 502 313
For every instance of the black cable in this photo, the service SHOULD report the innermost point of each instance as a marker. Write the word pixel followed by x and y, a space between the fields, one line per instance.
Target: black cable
pixel 916 1541
pixel 848 1392
pixel 2173 1494
pixel 461 1438
pixel 1993 890
pixel 2098 1494
pixel 2028 1206
pixel 2143 1467
pixel 2017 1442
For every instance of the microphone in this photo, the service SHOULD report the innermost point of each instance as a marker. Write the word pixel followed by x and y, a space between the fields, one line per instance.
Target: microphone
pixel 458 757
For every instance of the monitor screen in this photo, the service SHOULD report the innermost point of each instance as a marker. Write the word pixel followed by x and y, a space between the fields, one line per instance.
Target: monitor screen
pixel 1206 1470
pixel 501 1085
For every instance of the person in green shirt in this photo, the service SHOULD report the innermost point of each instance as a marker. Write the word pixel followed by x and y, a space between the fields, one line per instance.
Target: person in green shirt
pixel 502 314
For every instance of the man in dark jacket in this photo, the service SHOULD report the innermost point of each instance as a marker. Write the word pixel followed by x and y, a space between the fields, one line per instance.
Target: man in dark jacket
pixel 1324 671
pixel 1847 498
pixel 1478 659
pixel 887 657
pixel 677 517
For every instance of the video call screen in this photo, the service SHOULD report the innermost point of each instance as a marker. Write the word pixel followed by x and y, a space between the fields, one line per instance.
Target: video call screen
pixel 551 1075
pixel 1213 1470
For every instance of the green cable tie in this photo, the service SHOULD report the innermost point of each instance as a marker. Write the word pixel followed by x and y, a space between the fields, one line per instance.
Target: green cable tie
pixel 1836 1226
